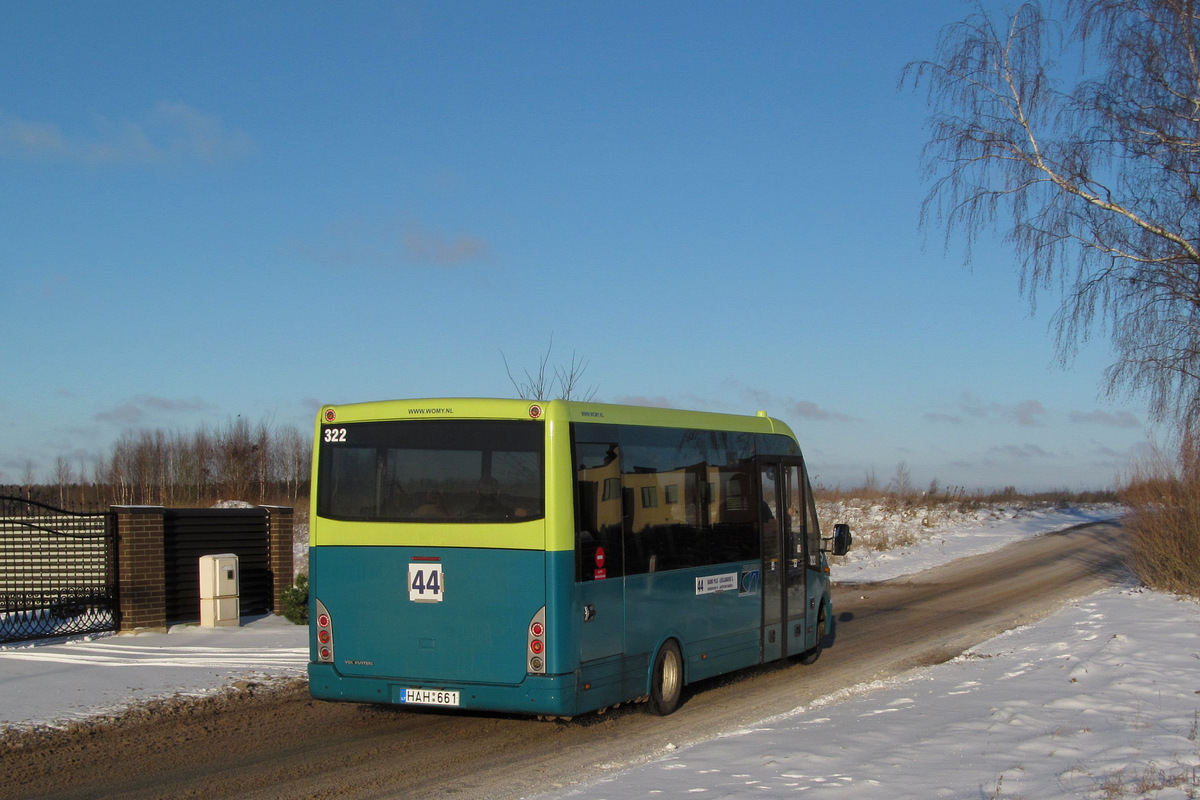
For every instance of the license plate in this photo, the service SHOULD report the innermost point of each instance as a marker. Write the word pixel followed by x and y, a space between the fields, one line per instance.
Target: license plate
pixel 429 697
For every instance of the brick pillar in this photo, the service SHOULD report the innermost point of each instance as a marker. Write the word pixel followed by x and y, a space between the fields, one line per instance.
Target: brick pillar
pixel 279 521
pixel 141 569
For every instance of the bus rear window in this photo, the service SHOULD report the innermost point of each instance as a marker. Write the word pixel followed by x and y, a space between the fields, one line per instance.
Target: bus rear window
pixel 464 471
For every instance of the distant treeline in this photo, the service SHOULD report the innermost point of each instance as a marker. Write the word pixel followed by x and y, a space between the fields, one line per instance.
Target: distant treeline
pixel 258 463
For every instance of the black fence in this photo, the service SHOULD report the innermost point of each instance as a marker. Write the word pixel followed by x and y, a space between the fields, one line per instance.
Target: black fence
pixel 189 533
pixel 58 571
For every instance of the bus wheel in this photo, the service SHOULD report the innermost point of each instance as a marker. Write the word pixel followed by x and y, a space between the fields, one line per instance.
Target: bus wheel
pixel 811 656
pixel 666 684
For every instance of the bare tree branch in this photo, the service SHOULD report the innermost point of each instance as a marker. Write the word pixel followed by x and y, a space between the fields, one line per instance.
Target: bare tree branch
pixel 562 382
pixel 1096 187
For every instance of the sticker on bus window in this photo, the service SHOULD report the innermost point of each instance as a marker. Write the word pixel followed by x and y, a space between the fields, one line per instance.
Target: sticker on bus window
pixel 426 582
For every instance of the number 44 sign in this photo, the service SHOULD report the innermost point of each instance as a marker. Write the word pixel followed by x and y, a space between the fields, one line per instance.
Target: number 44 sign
pixel 425 582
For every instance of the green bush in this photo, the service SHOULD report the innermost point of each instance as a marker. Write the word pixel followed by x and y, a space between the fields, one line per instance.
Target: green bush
pixel 295 601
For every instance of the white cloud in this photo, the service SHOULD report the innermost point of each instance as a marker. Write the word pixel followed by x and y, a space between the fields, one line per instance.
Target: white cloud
pixel 168 133
pixel 1121 419
pixel 639 400
pixel 353 243
pixel 135 410
pixel 423 246
pixel 1023 452
pixel 1028 413
pixel 791 408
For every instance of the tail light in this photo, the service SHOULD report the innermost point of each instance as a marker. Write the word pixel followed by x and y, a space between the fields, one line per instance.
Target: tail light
pixel 324 634
pixel 536 651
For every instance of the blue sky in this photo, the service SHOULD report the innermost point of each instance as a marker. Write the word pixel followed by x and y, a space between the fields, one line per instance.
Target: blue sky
pixel 222 209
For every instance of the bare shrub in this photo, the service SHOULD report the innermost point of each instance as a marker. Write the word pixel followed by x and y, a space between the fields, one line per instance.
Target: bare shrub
pixel 1164 529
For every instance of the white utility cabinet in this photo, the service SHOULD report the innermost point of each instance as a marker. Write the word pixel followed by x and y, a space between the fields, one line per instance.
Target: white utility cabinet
pixel 220 594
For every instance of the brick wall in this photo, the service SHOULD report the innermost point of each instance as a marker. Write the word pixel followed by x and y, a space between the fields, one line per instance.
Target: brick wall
pixel 280 532
pixel 140 568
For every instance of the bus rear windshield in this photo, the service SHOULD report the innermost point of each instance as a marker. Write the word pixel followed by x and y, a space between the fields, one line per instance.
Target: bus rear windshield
pixel 436 471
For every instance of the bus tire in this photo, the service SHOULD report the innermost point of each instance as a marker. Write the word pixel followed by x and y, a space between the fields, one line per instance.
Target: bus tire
pixel 811 656
pixel 666 681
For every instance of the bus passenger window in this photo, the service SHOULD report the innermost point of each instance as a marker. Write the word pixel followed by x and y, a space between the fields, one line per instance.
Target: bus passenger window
pixel 598 512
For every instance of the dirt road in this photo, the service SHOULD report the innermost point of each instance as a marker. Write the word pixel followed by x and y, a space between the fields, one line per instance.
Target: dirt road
pixel 262 744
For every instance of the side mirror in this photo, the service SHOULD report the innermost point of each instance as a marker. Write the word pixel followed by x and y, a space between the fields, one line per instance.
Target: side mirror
pixel 842 539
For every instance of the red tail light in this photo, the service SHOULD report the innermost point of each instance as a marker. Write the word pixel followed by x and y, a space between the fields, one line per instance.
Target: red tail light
pixel 324 634
pixel 537 642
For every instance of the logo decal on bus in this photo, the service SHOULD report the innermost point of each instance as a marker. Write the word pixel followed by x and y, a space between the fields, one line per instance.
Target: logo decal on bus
pixel 751 582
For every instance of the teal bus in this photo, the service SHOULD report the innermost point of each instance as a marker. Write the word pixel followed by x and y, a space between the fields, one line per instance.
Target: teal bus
pixel 555 558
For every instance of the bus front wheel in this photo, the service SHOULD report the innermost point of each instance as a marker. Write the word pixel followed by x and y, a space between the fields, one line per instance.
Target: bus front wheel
pixel 811 656
pixel 666 683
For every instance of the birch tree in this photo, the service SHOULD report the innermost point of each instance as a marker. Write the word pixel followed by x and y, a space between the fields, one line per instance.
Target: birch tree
pixel 1093 180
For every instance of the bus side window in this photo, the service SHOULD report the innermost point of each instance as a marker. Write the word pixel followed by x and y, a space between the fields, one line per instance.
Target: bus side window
pixel 812 526
pixel 598 512
pixel 735 515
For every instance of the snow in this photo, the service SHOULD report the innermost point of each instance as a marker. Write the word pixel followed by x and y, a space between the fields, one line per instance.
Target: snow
pixel 1097 701
pixel 1101 700
pixel 938 537
pixel 58 681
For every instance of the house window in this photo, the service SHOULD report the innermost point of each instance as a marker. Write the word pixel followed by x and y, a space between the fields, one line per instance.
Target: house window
pixel 649 497
pixel 612 489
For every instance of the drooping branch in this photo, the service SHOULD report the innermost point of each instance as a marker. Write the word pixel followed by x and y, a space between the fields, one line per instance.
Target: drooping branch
pixel 1096 187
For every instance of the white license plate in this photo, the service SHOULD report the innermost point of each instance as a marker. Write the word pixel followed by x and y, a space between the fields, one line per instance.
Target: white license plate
pixel 429 697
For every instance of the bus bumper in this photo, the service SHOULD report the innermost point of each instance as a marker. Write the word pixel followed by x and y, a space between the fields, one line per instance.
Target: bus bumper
pixel 550 695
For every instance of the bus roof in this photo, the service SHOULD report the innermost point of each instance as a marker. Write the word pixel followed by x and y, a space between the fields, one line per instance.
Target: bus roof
pixel 553 410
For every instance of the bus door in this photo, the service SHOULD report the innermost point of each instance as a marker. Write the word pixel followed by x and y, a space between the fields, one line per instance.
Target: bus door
pixel 784 563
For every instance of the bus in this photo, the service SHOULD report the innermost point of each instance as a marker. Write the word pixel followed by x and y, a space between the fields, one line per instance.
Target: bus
pixel 556 558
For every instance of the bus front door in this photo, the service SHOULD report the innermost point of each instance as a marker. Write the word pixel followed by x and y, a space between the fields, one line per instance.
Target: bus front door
pixel 784 566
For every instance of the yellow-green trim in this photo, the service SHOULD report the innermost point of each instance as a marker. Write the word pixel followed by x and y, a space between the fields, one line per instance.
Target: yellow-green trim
pixel 665 417
pixel 507 536
pixel 427 408
pixel 560 410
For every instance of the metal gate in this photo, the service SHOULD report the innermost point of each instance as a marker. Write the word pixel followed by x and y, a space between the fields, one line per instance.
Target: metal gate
pixel 58 571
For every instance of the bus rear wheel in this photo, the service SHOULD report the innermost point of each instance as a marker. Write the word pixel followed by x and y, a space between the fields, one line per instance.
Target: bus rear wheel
pixel 666 682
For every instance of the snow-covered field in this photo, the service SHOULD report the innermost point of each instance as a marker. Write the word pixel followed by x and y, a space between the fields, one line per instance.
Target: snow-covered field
pixel 1101 700
pixel 920 539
